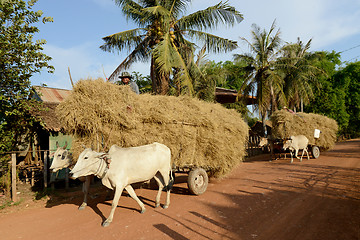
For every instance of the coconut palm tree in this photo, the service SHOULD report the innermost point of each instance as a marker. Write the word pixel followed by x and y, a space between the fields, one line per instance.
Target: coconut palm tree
pixel 164 35
pixel 261 64
pixel 300 75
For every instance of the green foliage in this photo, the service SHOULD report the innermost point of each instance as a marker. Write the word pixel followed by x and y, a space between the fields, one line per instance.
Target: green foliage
pixel 260 64
pixel 144 82
pixel 227 74
pixel 251 120
pixel 329 97
pixel 20 58
pixel 10 203
pixel 349 79
pixel 300 74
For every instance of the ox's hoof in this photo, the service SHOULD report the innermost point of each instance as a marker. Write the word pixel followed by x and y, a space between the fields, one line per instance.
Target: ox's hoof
pixel 157 205
pixel 82 206
pixel 165 206
pixel 106 223
pixel 143 211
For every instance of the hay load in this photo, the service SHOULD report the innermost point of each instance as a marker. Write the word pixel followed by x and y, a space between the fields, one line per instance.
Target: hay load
pixel 286 124
pixel 199 134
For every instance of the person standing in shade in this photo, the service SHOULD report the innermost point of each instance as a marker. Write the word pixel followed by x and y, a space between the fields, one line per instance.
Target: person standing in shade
pixel 126 80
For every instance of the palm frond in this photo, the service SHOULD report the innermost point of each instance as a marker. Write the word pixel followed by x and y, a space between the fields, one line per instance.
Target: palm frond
pixel 248 58
pixel 201 56
pixel 157 11
pixel 213 43
pixel 140 53
pixel 211 17
pixel 132 10
pixel 176 7
pixel 123 40
pixel 164 55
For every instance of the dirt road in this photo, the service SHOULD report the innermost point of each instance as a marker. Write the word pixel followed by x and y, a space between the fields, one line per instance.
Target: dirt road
pixel 312 200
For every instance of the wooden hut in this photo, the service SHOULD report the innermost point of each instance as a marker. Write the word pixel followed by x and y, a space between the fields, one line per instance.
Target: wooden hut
pixel 47 131
pixel 50 130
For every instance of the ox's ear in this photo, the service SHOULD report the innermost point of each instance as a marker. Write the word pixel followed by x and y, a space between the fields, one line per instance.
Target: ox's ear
pixel 65 145
pixel 57 144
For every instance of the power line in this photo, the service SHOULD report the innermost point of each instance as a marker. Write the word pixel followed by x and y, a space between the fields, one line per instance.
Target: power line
pixel 350 49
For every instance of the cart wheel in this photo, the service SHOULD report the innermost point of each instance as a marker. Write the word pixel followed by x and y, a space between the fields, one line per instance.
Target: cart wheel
pixel 315 151
pixel 197 181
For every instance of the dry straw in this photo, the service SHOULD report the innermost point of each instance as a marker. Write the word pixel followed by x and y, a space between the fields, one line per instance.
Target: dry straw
pixel 286 124
pixel 198 133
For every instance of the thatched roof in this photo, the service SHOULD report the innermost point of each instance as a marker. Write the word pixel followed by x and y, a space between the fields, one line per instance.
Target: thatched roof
pixel 198 133
pixel 47 116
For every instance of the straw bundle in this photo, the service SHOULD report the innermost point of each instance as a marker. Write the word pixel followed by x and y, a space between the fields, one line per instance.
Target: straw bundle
pixel 286 124
pixel 198 133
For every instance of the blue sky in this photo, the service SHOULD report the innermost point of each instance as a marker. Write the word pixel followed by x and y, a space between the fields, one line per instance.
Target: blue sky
pixel 73 39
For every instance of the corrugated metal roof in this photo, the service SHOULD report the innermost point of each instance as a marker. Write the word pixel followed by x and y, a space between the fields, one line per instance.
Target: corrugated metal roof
pixel 51 95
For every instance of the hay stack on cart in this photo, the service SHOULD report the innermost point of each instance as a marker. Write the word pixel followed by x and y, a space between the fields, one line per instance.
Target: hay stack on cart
pixel 204 138
pixel 320 130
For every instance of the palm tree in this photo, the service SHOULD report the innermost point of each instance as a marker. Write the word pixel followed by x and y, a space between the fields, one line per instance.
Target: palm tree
pixel 164 35
pixel 263 77
pixel 300 75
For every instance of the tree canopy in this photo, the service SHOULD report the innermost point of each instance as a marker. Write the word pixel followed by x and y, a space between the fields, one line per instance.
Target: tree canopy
pixel 164 35
pixel 20 57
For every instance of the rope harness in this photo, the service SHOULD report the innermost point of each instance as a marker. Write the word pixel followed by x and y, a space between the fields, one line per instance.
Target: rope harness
pixel 104 164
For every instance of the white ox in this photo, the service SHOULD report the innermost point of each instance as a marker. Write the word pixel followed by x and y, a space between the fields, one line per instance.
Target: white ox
pixel 63 159
pixel 299 142
pixel 121 167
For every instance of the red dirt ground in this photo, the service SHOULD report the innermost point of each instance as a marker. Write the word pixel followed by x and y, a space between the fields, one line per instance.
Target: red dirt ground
pixel 316 199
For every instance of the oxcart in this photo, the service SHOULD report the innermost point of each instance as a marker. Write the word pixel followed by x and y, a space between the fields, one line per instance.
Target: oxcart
pixel 204 138
pixel 276 147
pixel 197 180
pixel 319 130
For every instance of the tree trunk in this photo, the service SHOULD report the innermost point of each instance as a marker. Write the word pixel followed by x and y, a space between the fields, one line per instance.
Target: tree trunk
pixel 160 82
pixel 264 125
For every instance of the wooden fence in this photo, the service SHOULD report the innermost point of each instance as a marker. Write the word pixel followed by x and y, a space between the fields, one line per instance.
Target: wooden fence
pixel 252 146
pixel 31 172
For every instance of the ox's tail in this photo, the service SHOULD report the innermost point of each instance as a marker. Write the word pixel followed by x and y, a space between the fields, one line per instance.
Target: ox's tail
pixel 171 181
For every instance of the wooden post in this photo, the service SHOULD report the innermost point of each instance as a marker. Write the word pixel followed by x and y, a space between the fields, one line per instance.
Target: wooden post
pixel 45 169
pixel 13 177
pixel 32 183
pixel 66 179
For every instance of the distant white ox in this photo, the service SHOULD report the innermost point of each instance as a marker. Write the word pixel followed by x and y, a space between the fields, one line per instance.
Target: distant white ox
pixel 299 142
pixel 121 167
pixel 63 159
